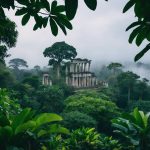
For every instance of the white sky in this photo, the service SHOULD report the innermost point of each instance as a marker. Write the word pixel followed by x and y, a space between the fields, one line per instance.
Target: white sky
pixel 99 36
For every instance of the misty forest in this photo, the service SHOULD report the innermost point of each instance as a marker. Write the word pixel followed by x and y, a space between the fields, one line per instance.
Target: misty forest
pixel 71 103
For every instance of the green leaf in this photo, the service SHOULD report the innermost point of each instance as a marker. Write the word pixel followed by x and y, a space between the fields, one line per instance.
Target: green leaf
pixel 20 12
pixel 23 116
pixel 92 4
pixel 25 127
pixel 134 24
pixel 47 118
pixel 46 4
pixel 60 8
pixel 35 27
pixel 61 26
pixel 54 27
pixel 45 21
pixel 54 128
pixel 138 117
pixel 141 53
pixel 7 4
pixel 148 35
pixel 39 21
pixel 138 10
pixel 23 2
pixel 2 13
pixel 128 5
pixel 25 19
pixel 71 8
pixel 63 19
pixel 120 127
pixel 53 7
pixel 141 36
pixel 134 34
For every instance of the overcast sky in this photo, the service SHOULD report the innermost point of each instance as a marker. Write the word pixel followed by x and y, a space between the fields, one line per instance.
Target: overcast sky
pixel 97 35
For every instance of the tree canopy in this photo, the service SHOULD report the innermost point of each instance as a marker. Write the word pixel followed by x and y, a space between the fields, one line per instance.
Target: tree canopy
pixel 58 52
pixel 17 62
pixel 59 16
pixel 8 36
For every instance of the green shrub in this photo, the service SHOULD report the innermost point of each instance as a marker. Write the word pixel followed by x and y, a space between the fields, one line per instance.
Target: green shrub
pixel 76 119
pixel 134 129
pixel 89 139
pixel 27 130
pixel 100 110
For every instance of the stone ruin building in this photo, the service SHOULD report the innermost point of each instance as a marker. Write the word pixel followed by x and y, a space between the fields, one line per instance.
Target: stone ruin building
pixel 46 79
pixel 78 74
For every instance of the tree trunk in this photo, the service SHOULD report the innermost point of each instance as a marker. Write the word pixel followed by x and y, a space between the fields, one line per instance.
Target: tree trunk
pixel 58 71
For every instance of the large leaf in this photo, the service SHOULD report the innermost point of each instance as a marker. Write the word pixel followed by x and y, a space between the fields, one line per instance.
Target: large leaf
pixel 53 26
pixel 128 5
pixel 53 7
pixel 45 21
pixel 60 8
pixel 134 24
pixel 138 117
pixel 47 118
pixel 25 19
pixel 61 26
pixel 71 8
pixel 23 2
pixel 141 53
pixel 141 36
pixel 63 19
pixel 20 12
pixel 134 34
pixel 46 4
pixel 21 118
pixel 54 128
pixel 25 127
pixel 92 4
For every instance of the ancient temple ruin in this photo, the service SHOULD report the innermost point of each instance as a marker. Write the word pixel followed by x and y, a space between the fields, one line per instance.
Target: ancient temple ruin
pixel 78 74
pixel 46 80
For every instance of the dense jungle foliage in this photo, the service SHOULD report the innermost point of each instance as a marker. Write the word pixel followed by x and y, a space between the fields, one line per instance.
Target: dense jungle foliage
pixel 58 117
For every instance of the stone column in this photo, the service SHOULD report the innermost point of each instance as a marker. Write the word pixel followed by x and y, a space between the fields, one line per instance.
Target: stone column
pixel 78 81
pixel 43 80
pixel 50 82
pixel 77 68
pixel 81 80
pixel 72 67
pixel 89 81
pixel 85 80
pixel 73 80
pixel 85 67
pixel 66 70
pixel 67 80
pixel 93 81
pixel 88 68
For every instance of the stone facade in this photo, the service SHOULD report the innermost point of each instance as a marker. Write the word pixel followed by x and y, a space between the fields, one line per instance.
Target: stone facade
pixel 46 80
pixel 78 74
